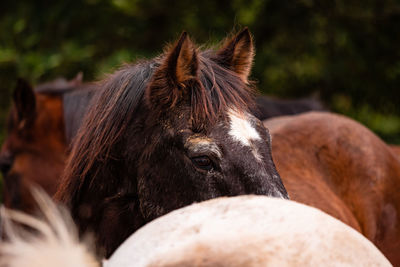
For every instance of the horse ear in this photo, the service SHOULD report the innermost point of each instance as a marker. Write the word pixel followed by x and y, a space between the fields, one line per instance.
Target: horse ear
pixel 77 80
pixel 176 73
pixel 237 54
pixel 25 102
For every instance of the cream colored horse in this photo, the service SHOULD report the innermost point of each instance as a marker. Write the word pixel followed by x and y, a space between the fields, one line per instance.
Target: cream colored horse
pixel 237 231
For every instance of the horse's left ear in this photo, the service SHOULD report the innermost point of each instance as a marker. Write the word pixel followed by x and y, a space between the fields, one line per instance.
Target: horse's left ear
pixel 24 101
pixel 177 72
pixel 237 54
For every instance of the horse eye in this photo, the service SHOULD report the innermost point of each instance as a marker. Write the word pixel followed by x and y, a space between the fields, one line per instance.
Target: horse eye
pixel 6 162
pixel 203 162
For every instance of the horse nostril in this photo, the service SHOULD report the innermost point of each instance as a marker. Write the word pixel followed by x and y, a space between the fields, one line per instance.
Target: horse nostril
pixel 5 164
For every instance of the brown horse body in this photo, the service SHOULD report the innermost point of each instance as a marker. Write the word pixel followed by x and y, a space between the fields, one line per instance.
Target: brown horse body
pixel 339 166
pixel 396 150
pixel 35 150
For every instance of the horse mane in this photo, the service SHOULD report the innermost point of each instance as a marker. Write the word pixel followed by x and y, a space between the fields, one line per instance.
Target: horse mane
pixel 112 109
pixel 224 89
pixel 93 159
pixel 45 241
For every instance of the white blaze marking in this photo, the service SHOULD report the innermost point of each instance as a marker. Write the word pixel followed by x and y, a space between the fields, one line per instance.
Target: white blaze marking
pixel 241 130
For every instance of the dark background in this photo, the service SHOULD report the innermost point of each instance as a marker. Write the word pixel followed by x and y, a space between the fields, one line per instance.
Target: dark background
pixel 345 52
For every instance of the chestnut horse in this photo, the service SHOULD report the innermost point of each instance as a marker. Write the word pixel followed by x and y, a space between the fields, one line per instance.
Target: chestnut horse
pixel 396 150
pixel 237 231
pixel 337 165
pixel 35 149
pixel 165 133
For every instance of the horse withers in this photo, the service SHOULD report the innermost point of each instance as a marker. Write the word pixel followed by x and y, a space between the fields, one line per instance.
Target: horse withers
pixel 165 133
pixel 335 164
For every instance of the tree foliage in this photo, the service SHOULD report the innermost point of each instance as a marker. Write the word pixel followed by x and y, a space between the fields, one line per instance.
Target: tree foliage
pixel 346 51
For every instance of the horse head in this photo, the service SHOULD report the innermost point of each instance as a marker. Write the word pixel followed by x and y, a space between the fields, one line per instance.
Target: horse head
pixel 165 133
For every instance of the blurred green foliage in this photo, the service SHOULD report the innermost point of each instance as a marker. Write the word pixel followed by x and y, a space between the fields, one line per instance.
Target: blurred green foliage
pixel 346 51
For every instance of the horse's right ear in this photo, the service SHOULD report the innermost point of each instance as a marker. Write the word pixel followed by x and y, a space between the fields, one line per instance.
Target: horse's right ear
pixel 77 80
pixel 237 54
pixel 24 101
pixel 177 72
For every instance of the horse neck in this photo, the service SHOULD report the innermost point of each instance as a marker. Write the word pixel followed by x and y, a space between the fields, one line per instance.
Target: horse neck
pixel 113 213
pixel 75 106
pixel 107 195
pixel 49 122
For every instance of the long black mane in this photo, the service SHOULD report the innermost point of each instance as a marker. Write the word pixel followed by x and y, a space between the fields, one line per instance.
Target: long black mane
pixel 111 111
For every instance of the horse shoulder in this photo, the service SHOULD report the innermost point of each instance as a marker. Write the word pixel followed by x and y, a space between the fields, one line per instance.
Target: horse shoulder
pixel 396 150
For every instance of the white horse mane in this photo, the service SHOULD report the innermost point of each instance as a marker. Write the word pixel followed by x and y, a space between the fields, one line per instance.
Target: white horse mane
pixel 51 241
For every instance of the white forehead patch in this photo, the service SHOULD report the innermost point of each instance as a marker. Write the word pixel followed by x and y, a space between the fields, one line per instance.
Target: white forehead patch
pixel 241 130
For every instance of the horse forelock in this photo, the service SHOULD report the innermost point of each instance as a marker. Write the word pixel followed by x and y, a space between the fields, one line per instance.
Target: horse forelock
pixel 221 90
pixel 211 93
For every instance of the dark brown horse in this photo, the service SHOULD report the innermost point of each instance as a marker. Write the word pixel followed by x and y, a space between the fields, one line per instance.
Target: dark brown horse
pixel 269 107
pixel 165 133
pixel 75 97
pixel 337 165
pixel 35 149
